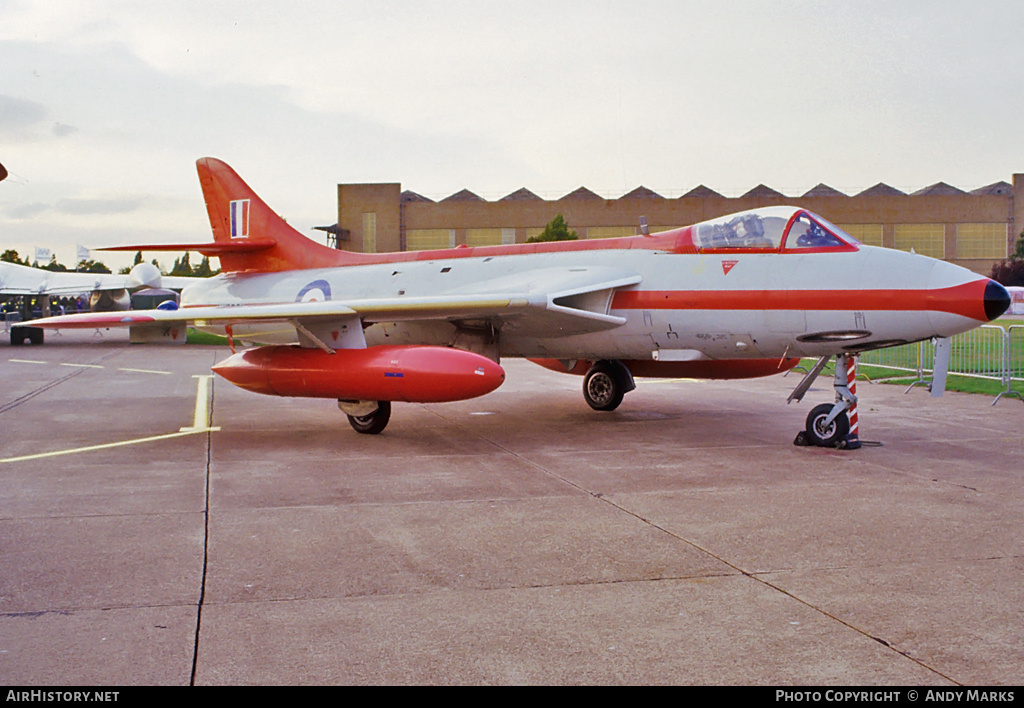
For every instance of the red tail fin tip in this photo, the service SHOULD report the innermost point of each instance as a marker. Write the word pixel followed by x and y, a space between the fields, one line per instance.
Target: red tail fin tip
pixel 257 238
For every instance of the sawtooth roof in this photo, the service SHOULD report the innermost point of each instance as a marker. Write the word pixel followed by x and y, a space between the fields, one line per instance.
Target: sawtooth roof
pixel 463 196
pixel 701 191
pixel 997 188
pixel 882 190
pixel 581 193
pixel 823 190
pixel 762 190
pixel 521 195
pixel 938 189
pixel 642 192
pixel 410 196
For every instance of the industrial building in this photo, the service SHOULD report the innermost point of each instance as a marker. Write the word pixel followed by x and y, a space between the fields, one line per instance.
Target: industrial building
pixel 972 229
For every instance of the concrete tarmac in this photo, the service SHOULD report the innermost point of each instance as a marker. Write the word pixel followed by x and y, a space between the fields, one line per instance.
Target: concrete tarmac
pixel 518 538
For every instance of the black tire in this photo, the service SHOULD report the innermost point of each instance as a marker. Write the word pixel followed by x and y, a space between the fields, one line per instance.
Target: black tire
pixel 603 387
pixel 372 423
pixel 35 335
pixel 17 336
pixel 826 436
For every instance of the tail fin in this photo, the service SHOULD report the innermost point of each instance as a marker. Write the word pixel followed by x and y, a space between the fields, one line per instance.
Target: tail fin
pixel 249 235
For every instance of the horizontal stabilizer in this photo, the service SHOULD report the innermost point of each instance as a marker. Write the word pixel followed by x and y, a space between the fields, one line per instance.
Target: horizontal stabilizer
pixel 250 245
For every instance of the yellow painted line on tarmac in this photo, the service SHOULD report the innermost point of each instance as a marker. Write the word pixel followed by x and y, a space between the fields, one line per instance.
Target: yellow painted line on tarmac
pixel 27 361
pixel 90 448
pixel 201 420
pixel 200 424
pixel 146 371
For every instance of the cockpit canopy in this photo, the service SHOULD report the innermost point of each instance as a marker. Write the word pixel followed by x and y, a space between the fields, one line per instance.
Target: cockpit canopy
pixel 771 229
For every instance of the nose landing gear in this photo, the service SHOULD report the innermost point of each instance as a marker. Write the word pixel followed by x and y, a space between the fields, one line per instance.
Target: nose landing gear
pixel 832 424
pixel 822 431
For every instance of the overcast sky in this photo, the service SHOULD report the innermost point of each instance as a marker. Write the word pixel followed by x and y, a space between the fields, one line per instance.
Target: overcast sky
pixel 106 105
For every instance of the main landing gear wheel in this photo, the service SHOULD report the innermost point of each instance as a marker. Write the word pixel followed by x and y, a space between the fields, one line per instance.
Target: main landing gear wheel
pixel 824 435
pixel 19 334
pixel 372 423
pixel 605 385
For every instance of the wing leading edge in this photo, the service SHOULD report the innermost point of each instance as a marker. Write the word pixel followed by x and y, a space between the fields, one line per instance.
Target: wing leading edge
pixel 578 302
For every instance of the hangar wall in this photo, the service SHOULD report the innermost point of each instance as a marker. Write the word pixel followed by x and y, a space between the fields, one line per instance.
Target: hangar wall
pixel 973 229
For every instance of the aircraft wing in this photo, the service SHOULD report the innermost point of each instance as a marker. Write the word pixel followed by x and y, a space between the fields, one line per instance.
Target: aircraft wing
pixel 555 302
pixel 23 280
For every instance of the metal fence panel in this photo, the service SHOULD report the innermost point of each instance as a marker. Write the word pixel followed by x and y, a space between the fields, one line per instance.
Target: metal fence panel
pixel 11 318
pixel 1015 352
pixel 980 353
pixel 903 360
pixel 988 352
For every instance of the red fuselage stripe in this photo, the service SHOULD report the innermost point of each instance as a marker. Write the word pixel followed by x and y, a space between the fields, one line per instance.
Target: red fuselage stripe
pixel 966 300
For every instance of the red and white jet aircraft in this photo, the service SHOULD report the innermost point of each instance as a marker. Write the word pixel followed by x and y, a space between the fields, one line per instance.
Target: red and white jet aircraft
pixel 740 296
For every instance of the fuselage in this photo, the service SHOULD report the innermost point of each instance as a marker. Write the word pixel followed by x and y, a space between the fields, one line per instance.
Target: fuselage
pixel 695 299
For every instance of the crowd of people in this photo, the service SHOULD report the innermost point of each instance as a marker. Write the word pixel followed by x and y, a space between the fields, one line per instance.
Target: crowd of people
pixel 58 305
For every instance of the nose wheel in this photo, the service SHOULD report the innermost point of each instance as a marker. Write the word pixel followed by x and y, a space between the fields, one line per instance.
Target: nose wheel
pixel 832 424
pixel 824 432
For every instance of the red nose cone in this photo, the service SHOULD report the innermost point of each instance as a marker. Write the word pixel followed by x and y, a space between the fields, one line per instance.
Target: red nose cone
pixel 997 300
pixel 982 300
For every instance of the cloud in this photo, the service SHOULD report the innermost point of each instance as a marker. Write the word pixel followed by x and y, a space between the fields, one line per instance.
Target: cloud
pixel 20 113
pixel 77 206
pixel 82 207
pixel 27 211
pixel 63 129
pixel 494 96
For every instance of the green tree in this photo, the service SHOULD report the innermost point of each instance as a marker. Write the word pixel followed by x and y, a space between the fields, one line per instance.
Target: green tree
pixel 92 266
pixel 182 266
pixel 11 256
pixel 54 266
pixel 203 270
pixel 1010 272
pixel 128 269
pixel 556 230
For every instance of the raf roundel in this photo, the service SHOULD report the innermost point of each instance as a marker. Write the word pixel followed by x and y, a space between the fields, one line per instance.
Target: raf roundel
pixel 317 291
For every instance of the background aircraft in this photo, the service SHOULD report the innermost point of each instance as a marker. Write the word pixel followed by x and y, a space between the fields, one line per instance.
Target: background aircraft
pixel 106 291
pixel 739 296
